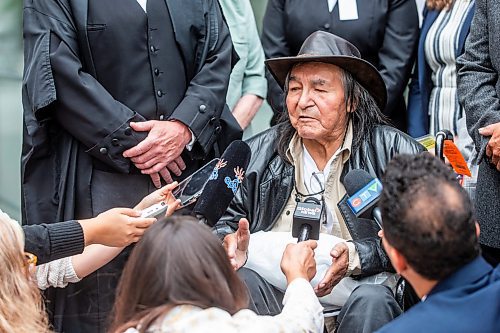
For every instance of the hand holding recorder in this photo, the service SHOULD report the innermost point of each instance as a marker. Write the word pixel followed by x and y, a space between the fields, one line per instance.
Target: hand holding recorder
pixel 120 227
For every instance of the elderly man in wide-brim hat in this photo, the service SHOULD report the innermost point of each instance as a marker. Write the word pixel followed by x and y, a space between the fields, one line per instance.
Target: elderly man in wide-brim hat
pixel 333 125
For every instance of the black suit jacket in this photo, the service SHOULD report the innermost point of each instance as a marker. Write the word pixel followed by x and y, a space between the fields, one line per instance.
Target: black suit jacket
pixel 386 34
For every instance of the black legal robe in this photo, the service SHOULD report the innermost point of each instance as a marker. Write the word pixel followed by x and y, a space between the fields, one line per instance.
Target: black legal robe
pixel 91 67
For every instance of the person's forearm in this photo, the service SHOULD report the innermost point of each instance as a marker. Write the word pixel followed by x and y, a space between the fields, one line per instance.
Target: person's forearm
pixel 93 257
pixel 246 108
pixel 54 241
pixel 290 277
pixel 90 229
pixel 302 311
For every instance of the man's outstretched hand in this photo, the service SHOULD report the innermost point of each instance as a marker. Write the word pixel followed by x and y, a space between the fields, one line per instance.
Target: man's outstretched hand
pixel 236 244
pixel 336 272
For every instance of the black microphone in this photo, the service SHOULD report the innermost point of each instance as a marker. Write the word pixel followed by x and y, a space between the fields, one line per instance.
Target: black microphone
pixel 223 182
pixel 307 219
pixel 364 192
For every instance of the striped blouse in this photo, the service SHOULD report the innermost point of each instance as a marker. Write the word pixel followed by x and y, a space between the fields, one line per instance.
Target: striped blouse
pixel 441 44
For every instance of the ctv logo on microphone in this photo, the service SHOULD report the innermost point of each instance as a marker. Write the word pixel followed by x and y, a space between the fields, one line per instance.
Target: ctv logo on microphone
pixel 360 200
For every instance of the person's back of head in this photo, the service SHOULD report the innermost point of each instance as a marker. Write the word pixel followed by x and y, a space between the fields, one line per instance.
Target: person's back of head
pixel 427 216
pixel 178 261
pixel 21 306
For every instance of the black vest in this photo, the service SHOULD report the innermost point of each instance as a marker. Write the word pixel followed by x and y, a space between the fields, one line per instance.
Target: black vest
pixel 135 55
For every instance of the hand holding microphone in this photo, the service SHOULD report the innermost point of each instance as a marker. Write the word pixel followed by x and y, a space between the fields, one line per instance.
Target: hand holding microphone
pixel 298 261
pixel 223 182
pixel 217 194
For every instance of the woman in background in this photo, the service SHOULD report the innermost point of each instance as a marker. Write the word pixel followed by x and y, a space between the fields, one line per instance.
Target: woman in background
pixel 247 84
pixel 384 31
pixel 187 284
pixel 433 104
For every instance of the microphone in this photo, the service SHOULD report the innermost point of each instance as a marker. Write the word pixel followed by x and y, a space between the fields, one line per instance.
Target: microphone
pixel 307 219
pixel 364 192
pixel 223 182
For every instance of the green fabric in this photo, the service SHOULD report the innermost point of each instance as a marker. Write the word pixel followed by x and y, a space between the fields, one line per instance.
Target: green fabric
pixel 247 76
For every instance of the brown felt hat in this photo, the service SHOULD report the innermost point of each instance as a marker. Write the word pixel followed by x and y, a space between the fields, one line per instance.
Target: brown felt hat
pixel 328 48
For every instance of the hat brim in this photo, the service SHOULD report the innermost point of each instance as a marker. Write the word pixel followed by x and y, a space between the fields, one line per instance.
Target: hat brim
pixel 364 72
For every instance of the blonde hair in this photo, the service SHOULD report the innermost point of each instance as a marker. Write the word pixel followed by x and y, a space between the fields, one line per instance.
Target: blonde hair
pixel 439 4
pixel 21 306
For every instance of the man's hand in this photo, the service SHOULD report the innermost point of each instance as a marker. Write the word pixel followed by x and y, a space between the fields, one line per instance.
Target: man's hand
pixel 493 147
pixel 336 272
pixel 236 244
pixel 116 227
pixel 161 150
pixel 298 261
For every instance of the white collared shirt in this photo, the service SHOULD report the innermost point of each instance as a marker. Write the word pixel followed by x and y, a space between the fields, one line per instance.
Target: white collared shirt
pixel 309 170
pixel 143 4
pixel 331 4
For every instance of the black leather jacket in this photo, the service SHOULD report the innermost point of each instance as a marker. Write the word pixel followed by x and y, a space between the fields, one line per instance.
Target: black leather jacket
pixel 269 183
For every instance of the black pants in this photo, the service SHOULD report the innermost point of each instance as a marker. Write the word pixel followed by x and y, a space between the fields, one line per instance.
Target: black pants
pixel 265 299
pixel 367 309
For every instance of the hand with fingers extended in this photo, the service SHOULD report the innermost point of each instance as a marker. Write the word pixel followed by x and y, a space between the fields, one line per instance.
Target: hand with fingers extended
pixel 493 146
pixel 298 261
pixel 160 153
pixel 336 272
pixel 116 227
pixel 236 244
pixel 163 194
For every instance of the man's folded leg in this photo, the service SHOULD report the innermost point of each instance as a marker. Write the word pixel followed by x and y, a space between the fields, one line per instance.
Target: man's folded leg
pixel 265 299
pixel 369 307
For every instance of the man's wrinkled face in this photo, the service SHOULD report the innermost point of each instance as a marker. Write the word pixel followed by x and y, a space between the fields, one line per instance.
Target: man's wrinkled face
pixel 316 101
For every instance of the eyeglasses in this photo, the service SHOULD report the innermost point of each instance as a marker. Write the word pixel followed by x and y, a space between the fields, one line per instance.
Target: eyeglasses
pixel 317 182
pixel 317 189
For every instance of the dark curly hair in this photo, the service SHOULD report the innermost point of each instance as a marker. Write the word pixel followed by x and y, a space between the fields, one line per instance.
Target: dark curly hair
pixel 427 215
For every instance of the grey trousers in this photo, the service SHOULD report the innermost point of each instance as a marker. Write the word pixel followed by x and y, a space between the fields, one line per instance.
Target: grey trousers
pixel 265 299
pixel 367 309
